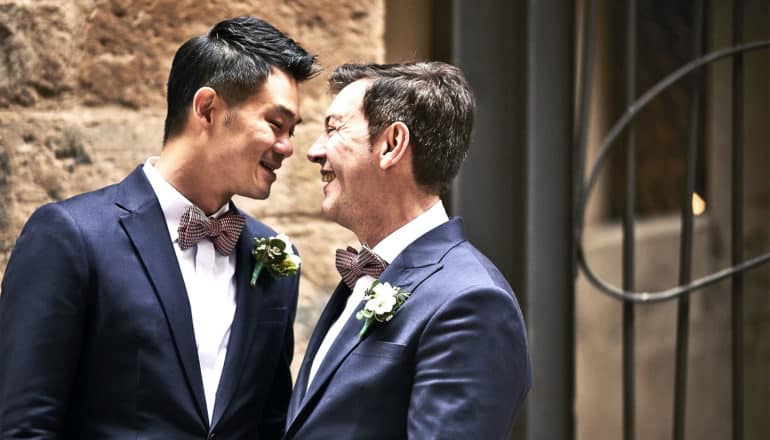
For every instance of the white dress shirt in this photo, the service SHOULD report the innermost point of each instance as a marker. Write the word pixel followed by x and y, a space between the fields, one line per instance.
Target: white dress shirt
pixel 210 281
pixel 388 249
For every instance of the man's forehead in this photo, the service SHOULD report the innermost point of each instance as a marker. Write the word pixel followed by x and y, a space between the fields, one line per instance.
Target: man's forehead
pixel 348 100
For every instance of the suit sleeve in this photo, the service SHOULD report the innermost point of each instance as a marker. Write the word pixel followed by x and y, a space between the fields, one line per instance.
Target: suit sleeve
pixel 42 308
pixel 273 420
pixel 471 368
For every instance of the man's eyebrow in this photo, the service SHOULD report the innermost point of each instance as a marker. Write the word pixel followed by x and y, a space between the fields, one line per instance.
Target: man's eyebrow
pixel 288 114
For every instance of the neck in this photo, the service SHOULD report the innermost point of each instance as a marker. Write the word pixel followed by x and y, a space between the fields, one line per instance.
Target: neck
pixel 392 216
pixel 185 170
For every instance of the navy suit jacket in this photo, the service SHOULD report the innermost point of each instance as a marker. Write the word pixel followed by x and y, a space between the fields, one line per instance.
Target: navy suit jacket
pixel 96 334
pixel 451 364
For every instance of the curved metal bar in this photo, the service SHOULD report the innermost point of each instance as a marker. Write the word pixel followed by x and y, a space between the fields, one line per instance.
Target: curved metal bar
pixel 612 135
pixel 663 295
pixel 645 99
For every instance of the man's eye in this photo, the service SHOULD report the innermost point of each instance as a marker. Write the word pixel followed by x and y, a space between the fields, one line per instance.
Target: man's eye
pixel 330 129
pixel 276 126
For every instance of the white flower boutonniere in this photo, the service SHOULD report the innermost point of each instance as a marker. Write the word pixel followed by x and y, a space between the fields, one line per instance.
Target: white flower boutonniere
pixel 276 255
pixel 382 303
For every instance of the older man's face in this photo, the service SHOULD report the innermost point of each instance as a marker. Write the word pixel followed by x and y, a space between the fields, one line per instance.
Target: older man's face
pixel 348 161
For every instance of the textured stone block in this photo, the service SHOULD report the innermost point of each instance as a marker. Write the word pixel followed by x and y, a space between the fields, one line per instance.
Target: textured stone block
pixel 37 41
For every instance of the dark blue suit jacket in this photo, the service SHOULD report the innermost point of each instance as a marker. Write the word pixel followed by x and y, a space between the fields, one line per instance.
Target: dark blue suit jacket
pixel 451 364
pixel 96 335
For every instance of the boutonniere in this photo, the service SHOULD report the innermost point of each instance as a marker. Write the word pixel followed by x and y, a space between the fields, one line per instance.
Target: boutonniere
pixel 382 303
pixel 276 255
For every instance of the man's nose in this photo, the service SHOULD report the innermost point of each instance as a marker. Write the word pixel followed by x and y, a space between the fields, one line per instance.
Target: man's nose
pixel 317 152
pixel 284 147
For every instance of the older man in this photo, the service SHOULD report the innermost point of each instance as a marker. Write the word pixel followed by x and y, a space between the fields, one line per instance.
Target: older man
pixel 423 338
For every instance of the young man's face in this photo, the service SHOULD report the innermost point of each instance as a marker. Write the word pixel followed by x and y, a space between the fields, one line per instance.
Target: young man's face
pixel 349 164
pixel 253 137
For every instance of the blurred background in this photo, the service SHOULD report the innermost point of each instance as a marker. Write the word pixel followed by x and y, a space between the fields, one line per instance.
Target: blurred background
pixel 620 148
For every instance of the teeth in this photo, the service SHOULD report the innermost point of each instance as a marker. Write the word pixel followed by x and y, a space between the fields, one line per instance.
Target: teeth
pixel 327 176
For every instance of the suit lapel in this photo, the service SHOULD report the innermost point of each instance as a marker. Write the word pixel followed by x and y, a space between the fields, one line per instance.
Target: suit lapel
pixel 145 226
pixel 242 332
pixel 334 307
pixel 414 265
pixel 397 274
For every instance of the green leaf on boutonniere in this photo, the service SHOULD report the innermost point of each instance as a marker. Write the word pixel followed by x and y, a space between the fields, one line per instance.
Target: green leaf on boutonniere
pixel 382 303
pixel 275 254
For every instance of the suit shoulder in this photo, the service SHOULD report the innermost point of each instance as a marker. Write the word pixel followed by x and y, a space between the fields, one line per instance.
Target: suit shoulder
pixel 470 285
pixel 475 268
pixel 76 208
pixel 89 203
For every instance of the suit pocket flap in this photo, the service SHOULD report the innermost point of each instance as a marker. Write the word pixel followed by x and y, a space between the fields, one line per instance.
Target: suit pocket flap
pixel 383 349
pixel 274 314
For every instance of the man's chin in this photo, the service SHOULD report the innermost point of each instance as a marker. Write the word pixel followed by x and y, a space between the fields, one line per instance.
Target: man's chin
pixel 328 212
pixel 337 215
pixel 256 194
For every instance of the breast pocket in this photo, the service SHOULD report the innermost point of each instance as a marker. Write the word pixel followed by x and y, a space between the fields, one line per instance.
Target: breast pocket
pixel 380 349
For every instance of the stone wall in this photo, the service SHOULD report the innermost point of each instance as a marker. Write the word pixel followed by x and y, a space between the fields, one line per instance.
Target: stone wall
pixel 82 103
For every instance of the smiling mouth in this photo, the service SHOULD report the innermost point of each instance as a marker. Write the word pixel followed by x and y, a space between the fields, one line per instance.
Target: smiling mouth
pixel 327 176
pixel 270 166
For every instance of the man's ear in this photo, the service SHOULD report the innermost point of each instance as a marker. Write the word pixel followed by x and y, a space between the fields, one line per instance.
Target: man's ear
pixel 394 145
pixel 202 106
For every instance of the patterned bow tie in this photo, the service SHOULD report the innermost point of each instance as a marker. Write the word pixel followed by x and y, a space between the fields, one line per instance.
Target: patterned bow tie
pixel 223 231
pixel 352 264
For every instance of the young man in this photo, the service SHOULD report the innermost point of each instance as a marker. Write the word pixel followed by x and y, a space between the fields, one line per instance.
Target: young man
pixel 115 322
pixel 448 360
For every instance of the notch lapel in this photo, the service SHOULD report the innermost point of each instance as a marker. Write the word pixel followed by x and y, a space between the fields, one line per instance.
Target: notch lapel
pixel 396 273
pixel 145 226
pixel 408 271
pixel 242 331
pixel 330 313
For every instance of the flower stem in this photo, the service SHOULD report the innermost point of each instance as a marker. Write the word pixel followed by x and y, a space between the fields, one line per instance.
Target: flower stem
pixel 255 273
pixel 365 327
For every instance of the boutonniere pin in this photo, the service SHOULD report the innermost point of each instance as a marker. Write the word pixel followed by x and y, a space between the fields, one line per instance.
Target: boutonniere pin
pixel 276 255
pixel 382 303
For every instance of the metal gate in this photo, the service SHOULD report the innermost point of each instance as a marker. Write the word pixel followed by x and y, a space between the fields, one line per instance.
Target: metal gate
pixel 623 132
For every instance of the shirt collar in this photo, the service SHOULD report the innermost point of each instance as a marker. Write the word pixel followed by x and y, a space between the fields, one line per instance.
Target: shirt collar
pixel 172 202
pixel 392 245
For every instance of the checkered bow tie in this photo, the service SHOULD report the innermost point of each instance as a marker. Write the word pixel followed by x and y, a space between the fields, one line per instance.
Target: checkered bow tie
pixel 353 264
pixel 223 231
